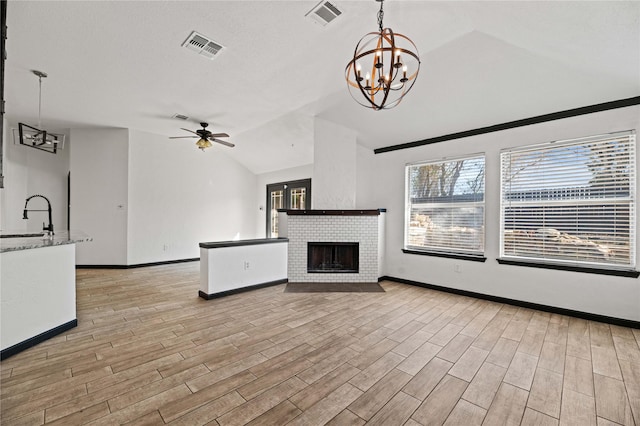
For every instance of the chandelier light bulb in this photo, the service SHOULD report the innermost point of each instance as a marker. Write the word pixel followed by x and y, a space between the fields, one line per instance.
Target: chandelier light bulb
pixel 397 63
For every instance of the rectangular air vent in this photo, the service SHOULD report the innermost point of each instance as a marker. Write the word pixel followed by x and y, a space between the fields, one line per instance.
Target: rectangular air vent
pixel 323 13
pixel 202 45
pixel 180 116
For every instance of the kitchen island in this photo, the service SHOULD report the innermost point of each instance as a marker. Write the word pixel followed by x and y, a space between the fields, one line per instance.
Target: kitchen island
pixel 37 289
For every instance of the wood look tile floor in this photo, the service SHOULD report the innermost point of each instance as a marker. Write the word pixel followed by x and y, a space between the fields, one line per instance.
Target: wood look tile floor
pixel 148 351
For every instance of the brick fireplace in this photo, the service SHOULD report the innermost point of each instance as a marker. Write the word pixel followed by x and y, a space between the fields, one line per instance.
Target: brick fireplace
pixel 333 245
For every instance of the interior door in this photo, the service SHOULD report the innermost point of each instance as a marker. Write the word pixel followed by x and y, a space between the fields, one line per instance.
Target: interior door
pixel 294 195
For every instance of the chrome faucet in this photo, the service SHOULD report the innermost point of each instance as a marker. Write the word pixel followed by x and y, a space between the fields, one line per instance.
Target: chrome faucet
pixel 48 228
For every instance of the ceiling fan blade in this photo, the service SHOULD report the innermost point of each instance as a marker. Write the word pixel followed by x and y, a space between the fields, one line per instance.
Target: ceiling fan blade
pixel 182 137
pixel 190 131
pixel 229 144
pixel 219 135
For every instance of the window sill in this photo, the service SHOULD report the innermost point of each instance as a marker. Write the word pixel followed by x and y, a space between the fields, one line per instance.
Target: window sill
pixel 615 272
pixel 459 256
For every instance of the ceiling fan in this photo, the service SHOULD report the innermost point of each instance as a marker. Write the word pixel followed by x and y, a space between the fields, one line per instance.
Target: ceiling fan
pixel 206 137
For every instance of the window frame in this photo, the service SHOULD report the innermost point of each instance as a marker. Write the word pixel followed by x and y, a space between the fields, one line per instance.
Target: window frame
pixel 454 253
pixel 584 264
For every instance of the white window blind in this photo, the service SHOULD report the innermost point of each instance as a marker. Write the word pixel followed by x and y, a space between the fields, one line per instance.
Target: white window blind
pixel 570 202
pixel 445 206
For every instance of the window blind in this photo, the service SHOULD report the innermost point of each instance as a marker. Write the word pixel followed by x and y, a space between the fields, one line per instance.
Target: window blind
pixel 570 202
pixel 445 206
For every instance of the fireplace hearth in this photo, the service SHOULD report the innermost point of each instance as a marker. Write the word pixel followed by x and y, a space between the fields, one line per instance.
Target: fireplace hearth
pixel 332 257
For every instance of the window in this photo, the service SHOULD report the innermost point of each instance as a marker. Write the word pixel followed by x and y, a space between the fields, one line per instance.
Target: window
pixel 445 207
pixel 570 202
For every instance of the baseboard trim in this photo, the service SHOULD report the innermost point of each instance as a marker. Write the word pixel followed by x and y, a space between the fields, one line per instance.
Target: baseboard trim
pixel 19 347
pixel 206 296
pixel 138 265
pixel 546 308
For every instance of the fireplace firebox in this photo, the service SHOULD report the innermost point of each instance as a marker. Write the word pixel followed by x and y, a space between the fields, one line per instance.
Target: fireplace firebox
pixel 330 257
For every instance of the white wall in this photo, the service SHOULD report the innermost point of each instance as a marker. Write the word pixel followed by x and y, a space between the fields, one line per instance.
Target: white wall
pixel 334 166
pixel 28 171
pixel 144 198
pixel 180 196
pixel 99 167
pixel 600 294
pixel 365 189
pixel 264 179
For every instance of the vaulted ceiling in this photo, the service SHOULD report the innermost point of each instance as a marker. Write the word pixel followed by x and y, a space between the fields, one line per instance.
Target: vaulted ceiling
pixel 121 64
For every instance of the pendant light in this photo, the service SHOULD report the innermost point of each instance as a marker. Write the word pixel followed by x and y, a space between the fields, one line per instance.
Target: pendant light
pixel 36 137
pixel 384 67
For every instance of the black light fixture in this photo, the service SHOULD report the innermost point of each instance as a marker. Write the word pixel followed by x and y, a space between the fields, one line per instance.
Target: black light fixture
pixel 37 137
pixel 384 67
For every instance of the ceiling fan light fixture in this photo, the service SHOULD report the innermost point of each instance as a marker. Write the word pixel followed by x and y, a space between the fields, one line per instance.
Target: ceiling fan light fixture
pixel 391 63
pixel 204 144
pixel 205 137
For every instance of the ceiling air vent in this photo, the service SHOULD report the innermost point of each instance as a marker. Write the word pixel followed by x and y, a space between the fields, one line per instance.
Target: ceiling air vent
pixel 323 13
pixel 180 117
pixel 202 45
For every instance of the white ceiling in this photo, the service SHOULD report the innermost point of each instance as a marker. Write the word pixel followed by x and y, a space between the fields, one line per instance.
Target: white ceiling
pixel 121 64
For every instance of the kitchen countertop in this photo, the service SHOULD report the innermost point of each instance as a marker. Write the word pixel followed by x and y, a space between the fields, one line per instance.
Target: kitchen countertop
pixel 27 243
pixel 236 243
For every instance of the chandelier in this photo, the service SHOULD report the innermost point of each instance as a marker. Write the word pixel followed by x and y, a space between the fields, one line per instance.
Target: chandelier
pixel 37 137
pixel 384 67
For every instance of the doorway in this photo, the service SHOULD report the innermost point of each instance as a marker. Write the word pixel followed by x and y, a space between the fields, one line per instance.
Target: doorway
pixel 294 195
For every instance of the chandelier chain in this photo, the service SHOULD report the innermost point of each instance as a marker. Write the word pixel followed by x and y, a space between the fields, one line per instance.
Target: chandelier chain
pixel 380 15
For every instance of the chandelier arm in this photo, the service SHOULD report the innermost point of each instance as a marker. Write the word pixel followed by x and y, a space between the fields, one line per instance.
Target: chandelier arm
pixel 392 41
pixel 388 35
pixel 393 75
pixel 373 68
pixel 366 96
pixel 384 99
